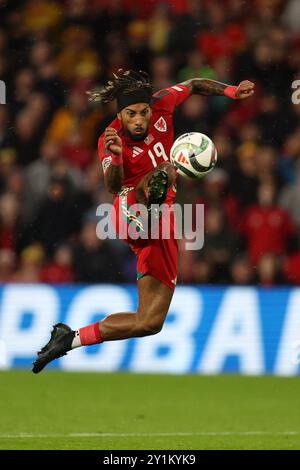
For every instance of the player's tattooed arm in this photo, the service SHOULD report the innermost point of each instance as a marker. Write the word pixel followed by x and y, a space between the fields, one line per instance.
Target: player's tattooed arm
pixel 203 86
pixel 113 178
pixel 113 163
pixel 206 87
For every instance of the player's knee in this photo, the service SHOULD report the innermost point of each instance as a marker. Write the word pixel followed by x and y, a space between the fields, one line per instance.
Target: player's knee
pixel 148 328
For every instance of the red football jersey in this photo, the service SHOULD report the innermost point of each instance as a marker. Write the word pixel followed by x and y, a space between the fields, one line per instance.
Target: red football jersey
pixel 141 157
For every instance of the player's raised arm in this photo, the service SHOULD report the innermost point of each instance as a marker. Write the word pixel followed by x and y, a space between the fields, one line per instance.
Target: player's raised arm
pixel 206 87
pixel 112 161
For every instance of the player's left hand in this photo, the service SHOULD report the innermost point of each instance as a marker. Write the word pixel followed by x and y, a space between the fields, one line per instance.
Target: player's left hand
pixel 244 90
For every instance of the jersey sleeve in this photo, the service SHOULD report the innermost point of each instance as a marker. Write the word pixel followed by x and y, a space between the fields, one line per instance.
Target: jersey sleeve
pixel 169 98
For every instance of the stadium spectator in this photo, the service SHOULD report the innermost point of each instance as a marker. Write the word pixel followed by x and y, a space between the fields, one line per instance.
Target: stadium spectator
pixel 75 151
pixel 66 118
pixel 203 271
pixel 291 268
pixel 40 15
pixel 7 265
pixel 38 175
pixel 266 226
pixel 94 259
pixel 6 138
pixel 291 16
pixel 31 261
pixel 60 269
pixel 289 157
pixel 217 193
pixel 24 83
pixel 186 262
pixel 273 124
pixel 220 243
pixel 9 218
pixel 268 270
pixel 223 38
pixel 244 178
pixel 290 197
pixel 77 58
pixel 192 116
pixel 162 72
pixel 58 216
pixel 196 67
pixel 159 29
pixel 241 271
pixel 184 30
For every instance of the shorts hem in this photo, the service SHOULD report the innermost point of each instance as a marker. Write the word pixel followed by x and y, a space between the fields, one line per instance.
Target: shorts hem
pixel 170 284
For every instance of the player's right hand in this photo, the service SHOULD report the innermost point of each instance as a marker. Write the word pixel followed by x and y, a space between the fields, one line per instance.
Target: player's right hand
pixel 244 90
pixel 112 141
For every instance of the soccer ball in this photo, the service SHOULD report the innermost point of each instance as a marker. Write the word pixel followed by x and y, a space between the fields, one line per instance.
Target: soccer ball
pixel 194 155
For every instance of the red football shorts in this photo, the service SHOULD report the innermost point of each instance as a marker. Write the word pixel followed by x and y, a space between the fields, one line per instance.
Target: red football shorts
pixel 157 257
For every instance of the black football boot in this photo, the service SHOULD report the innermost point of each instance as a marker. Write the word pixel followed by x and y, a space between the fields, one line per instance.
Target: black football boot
pixel 157 191
pixel 60 342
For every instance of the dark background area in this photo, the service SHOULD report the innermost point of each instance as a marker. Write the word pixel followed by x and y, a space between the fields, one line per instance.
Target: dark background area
pixel 51 181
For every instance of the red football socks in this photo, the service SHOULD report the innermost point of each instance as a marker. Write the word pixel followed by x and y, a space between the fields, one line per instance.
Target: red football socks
pixel 90 334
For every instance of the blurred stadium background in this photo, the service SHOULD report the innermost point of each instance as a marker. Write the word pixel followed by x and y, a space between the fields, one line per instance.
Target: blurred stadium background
pixel 237 305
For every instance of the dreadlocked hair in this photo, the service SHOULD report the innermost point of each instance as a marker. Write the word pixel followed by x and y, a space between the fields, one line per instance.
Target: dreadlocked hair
pixel 122 82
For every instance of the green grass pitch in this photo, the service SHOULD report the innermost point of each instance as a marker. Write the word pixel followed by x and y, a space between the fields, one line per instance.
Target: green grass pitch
pixel 59 410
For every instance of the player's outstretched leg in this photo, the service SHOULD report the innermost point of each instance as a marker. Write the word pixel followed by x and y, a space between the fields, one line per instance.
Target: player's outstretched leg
pixel 154 301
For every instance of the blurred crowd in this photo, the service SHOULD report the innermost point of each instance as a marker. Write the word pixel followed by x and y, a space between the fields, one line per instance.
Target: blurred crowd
pixel 52 52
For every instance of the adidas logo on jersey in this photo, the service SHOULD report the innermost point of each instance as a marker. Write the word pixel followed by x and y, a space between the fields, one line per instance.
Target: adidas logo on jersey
pixel 136 151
